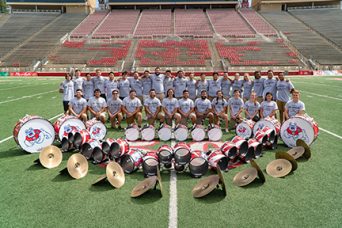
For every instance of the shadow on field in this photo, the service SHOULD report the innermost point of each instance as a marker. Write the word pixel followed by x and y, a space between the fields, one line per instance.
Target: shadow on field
pixel 217 195
pixel 149 197
pixel 35 166
pixel 62 177
pixel 13 152
pixel 101 187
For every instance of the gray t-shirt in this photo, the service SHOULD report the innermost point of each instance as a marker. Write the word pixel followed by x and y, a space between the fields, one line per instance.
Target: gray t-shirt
pixel 124 87
pixel 268 107
pixel 78 83
pixel 180 85
pixel 168 84
pixel 251 107
pixel 213 87
pixel 247 88
pixel 78 104
pixel 99 83
pixel 147 85
pixel 136 84
pixel 294 107
pixel 219 104
pixel 152 104
pixel 258 86
pixel 202 85
pixel 202 106
pixel 235 105
pixel 170 104
pixel 158 82
pixel 237 85
pixel 225 87
pixel 88 89
pixel 270 85
pixel 97 104
pixel 191 87
pixel 186 104
pixel 68 90
pixel 110 85
pixel 131 104
pixel 283 90
pixel 114 106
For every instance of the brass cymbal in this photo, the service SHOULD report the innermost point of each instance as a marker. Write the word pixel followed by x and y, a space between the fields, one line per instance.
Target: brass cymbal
pixel 260 173
pixel 115 174
pixel 245 177
pixel 279 168
pixel 205 186
pixel 307 153
pixel 221 182
pixel 296 152
pixel 50 157
pixel 102 178
pixel 143 186
pixel 288 157
pixel 77 166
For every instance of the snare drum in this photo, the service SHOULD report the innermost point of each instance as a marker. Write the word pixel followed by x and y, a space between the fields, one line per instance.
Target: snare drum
pixel 245 129
pixel 150 164
pixel 257 147
pixel 216 158
pixel 214 133
pixel 131 161
pixel 299 127
pixel 88 147
pixel 198 164
pixel 181 132
pixel 248 155
pixel 165 154
pixel 81 137
pixel 106 145
pixel 118 148
pixel 198 133
pixel 165 132
pixel 98 155
pixel 229 149
pixel 182 153
pixel 132 132
pixel 148 133
pixel 265 135
pixel 96 129
pixel 33 133
pixel 241 144
pixel 66 124
pixel 272 123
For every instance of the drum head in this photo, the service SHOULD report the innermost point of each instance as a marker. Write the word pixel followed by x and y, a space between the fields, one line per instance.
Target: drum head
pixel 127 164
pixel 150 167
pixel 182 156
pixel 215 134
pixel 198 134
pixel 250 154
pixel 258 150
pixel 165 134
pixel 70 125
pixel 115 150
pixel 98 131
pixel 86 150
pixel 198 167
pixel 165 156
pixel 223 163
pixel 148 134
pixel 181 134
pixel 243 148
pixel 261 124
pixel 35 135
pixel 244 130
pixel 297 128
pixel 132 134
pixel 98 155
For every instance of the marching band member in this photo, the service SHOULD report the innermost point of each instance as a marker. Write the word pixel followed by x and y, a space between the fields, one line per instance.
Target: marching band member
pixel 146 84
pixel 67 88
pixel 180 84
pixel 268 107
pixel 158 83
pixel 110 85
pixel 170 107
pixel 88 87
pixel 235 105
pixel 258 86
pixel 124 85
pixel 203 109
pixel 131 106
pixel 247 85
pixel 270 85
pixel 97 106
pixel 191 86
pixel 99 83
pixel 114 108
pixel 186 108
pixel 78 80
pixel 225 86
pixel 168 81
pixel 136 84
pixel 214 85
pixel 78 106
pixel 153 108
pixel 237 84
pixel 252 107
pixel 284 87
pixel 294 106
pixel 201 84
pixel 219 105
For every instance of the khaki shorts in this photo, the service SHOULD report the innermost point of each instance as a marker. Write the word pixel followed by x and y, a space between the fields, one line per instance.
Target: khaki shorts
pixel 104 114
pixel 131 119
pixel 185 120
pixel 202 118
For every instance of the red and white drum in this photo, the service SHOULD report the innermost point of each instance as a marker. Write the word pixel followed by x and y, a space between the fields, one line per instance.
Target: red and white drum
pixel 248 155
pixel 165 132
pixel 88 147
pixel 214 133
pixel 198 133
pixel 198 164
pixel 148 133
pixel 131 161
pixel 265 135
pixel 216 158
pixel 299 127
pixel 165 155
pixel 96 129
pixel 132 132
pixel 241 144
pixel 150 164
pixel 66 124
pixel 229 149
pixel 257 147
pixel 181 132
pixel 182 153
pixel 272 123
pixel 33 133
pixel 245 129
pixel 118 148
pixel 98 154
pixel 106 145
pixel 81 137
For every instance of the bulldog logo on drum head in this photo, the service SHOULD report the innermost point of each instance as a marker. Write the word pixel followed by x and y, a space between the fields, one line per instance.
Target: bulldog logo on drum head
pixel 293 132
pixel 35 136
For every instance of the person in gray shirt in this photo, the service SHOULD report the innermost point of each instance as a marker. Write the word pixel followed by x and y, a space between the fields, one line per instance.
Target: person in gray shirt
pixel 191 86
pixel 131 106
pixel 168 81
pixel 99 83
pixel 284 87
pixel 225 86
pixel 158 83
pixel 237 84
pixel 258 86
pixel 115 109
pixel 78 80
pixel 124 85
pixel 146 84
pixel 110 85
pixel 270 85
pixel 247 85
pixel 186 108
pixel 201 84
pixel 78 106
pixel 88 87
pixel 295 106
pixel 153 108
pixel 214 85
pixel 180 84
pixel 136 84
pixel 203 109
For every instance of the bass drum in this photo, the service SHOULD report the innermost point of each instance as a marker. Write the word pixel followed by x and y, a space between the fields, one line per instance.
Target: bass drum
pixel 245 129
pixel 148 133
pixel 67 124
pixel 132 133
pixel 198 133
pixel 214 133
pixel 96 129
pixel 33 133
pixel 181 132
pixel 165 132
pixel 299 127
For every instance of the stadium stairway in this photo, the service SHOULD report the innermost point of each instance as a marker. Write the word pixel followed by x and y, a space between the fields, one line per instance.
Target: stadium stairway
pixel 3 19
pixel 130 56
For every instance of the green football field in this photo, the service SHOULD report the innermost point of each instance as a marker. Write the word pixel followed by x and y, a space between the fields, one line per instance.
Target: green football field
pixel 31 196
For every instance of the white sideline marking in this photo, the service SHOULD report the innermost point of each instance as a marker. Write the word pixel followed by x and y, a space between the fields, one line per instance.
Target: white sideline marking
pixel 320 95
pixel 319 84
pixel 23 97
pixel 173 209
pixel 9 137
pixel 330 133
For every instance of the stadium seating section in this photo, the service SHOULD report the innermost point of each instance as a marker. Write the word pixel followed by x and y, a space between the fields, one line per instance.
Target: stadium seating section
pixel 154 23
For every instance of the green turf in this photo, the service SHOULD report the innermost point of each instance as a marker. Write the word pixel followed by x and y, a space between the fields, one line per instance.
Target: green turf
pixel 33 196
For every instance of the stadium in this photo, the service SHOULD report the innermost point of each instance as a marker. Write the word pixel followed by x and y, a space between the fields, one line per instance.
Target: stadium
pixel 47 47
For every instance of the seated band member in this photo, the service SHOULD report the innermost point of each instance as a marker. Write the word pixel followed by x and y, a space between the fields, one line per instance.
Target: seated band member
pixel 97 106
pixel 186 108
pixel 115 109
pixel 131 106
pixel 153 108
pixel 268 107
pixel 252 108
pixel 170 107
pixel 235 105
pixel 295 106
pixel 219 105
pixel 78 106
pixel 203 109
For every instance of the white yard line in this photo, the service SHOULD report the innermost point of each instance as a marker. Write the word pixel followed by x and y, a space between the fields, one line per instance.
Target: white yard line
pixel 316 83
pixel 330 133
pixel 18 87
pixel 320 95
pixel 23 97
pixel 9 137
pixel 173 209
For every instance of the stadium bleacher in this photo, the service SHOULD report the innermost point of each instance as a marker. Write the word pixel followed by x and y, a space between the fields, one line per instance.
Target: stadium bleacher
pixel 88 25
pixel 257 22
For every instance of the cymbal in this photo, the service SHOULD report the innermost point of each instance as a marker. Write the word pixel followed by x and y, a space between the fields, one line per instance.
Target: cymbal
pixel 221 182
pixel 260 173
pixel 307 153
pixel 296 152
pixel 102 178
pixel 50 157
pixel 245 177
pixel 159 180
pixel 205 186
pixel 288 157
pixel 279 168
pixel 77 166
pixel 115 174
pixel 143 186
